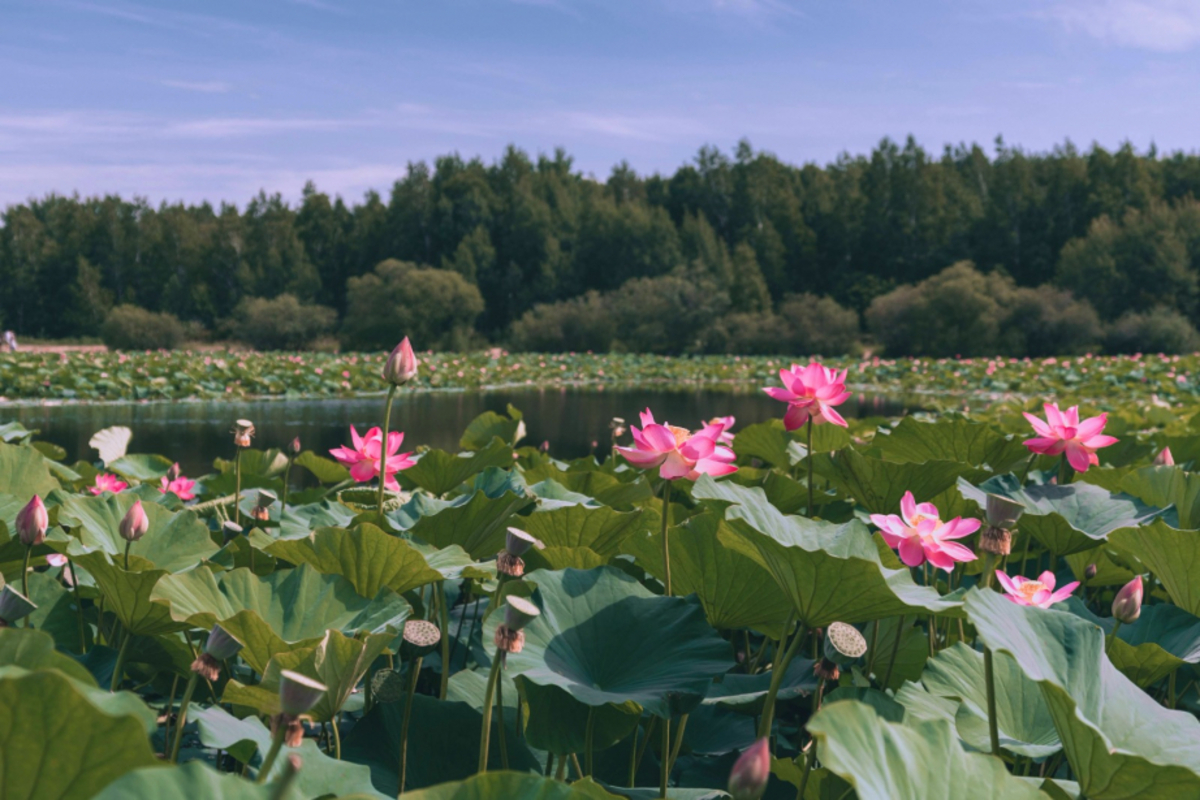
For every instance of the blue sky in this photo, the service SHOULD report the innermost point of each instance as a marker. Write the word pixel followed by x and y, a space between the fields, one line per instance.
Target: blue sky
pixel 215 100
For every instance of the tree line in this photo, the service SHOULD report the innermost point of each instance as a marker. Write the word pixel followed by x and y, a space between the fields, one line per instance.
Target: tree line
pixel 732 252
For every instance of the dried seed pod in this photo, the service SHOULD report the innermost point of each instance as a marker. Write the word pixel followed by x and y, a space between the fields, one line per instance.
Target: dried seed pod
pixel 298 693
pixel 387 686
pixel 14 606
pixel 421 637
pixel 243 432
pixel 844 644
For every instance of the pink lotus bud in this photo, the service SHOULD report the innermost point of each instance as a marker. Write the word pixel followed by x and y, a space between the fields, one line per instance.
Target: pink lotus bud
pixel 1089 572
pixel 401 366
pixel 294 447
pixel 1127 605
pixel 32 522
pixel 748 778
pixel 1164 458
pixel 173 473
pixel 135 524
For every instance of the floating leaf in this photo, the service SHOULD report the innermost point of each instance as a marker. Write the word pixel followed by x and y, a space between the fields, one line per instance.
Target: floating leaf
pixel 513 786
pixel 956 440
pixel 194 780
pixel 364 555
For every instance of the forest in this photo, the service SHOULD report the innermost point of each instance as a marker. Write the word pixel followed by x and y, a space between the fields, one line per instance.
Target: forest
pixel 967 251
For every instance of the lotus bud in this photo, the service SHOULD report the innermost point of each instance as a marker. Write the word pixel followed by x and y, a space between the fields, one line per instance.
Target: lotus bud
pixel 243 432
pixel 135 523
pixel 231 529
pixel 421 637
pixel 1164 458
pixel 14 606
pixel 1089 572
pixel 220 646
pixel 750 773
pixel 294 447
pixel 1002 514
pixel 518 613
pixel 298 693
pixel 1127 605
pixel 401 365
pixel 173 473
pixel 32 522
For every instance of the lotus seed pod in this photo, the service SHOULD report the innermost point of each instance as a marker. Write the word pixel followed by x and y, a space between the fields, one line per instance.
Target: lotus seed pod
pixel 1003 512
pixel 298 693
pixel 517 542
pixel 750 773
pixel 32 522
pixel 519 612
pixel 1127 605
pixel 844 644
pixel 243 432
pixel 421 637
pixel 135 523
pixel 231 529
pixel 266 498
pixel 221 645
pixel 387 686
pixel 401 365
pixel 14 606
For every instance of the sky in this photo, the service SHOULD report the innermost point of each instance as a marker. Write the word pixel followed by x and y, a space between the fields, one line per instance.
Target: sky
pixel 218 100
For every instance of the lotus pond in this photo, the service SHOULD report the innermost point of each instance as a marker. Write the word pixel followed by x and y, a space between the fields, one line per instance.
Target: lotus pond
pixel 503 621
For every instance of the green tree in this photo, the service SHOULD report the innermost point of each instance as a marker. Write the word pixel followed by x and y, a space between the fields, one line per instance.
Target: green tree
pixel 436 308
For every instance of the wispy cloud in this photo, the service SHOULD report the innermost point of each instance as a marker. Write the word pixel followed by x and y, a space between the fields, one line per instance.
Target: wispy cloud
pixel 207 87
pixel 758 8
pixel 1163 25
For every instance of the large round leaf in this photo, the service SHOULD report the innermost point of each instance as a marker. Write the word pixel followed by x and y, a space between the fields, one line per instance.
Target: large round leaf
pixel 278 612
pixel 922 761
pixel 1119 741
pixel 127 594
pixel 1164 638
pixel 476 521
pixel 1173 555
pixel 437 471
pixel 879 485
pixel 174 541
pixel 512 786
pixel 598 528
pixel 194 780
pixel 364 555
pixel 55 744
pixel 829 572
pixel 604 638
pixel 958 440
pixel 24 472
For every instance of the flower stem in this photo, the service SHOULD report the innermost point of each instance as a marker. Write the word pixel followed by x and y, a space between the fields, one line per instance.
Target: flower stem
pixel 273 753
pixel 989 678
pixel 503 736
pixel 809 510
pixel 287 479
pixel 589 733
pixel 25 577
pixel 119 670
pixel 79 608
pixel 488 697
pixel 387 421
pixel 777 672
pixel 181 720
pixel 1062 470
pixel 887 676
pixel 683 721
pixel 444 616
pixel 414 674
pixel 666 514
pixel 237 492
pixel 665 772
pixel 127 546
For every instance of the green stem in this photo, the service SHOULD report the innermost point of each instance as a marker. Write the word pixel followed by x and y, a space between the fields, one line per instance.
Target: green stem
pixel 79 608
pixel 273 753
pixel 167 721
pixel 287 480
pixel 444 617
pixel 500 728
pixel 874 642
pixel 588 738
pixel 127 546
pixel 665 771
pixel 337 736
pixel 119 670
pixel 633 757
pixel 683 721
pixel 666 514
pixel 989 678
pixel 809 510
pixel 1171 690
pixel 414 674
pixel 488 697
pixel 808 760
pixel 25 577
pixel 887 676
pixel 561 772
pixel 181 720
pixel 387 421
pixel 237 491
pixel 1062 470
pixel 645 742
pixel 777 672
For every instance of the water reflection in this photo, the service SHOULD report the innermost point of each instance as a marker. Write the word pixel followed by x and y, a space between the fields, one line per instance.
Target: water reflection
pixel 194 433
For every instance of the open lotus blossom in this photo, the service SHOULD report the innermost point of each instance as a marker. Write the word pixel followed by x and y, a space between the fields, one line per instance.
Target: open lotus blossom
pixel 811 393
pixel 183 486
pixel 725 425
pixel 1062 432
pixel 919 535
pixel 1040 593
pixel 108 483
pixel 364 457
pixel 677 452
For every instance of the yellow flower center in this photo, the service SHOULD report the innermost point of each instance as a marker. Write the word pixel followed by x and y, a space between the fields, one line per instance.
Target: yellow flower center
pixel 681 434
pixel 1030 588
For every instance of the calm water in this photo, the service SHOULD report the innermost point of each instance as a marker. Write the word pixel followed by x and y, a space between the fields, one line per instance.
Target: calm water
pixel 194 433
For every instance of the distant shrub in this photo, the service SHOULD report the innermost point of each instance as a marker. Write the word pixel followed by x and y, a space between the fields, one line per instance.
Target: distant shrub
pixel 818 326
pixel 280 323
pixel 748 334
pixel 669 314
pixel 1163 330
pixel 436 308
pixel 577 325
pixel 129 327
pixel 1048 321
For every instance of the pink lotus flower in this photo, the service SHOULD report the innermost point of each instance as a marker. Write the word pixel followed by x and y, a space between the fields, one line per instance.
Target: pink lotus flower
pixel 677 452
pixel 1164 458
pixel 719 428
pixel 108 483
pixel 1063 432
pixel 919 535
pixel 181 485
pixel 811 393
pixel 363 459
pixel 1040 593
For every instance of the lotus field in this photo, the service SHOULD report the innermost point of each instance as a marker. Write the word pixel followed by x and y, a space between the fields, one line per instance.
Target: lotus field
pixel 1000 605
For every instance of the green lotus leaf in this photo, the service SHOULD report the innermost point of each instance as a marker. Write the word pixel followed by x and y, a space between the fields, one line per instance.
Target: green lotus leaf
pixel 56 744
pixel 443 744
pixel 1168 486
pixel 604 638
pixel 911 654
pixel 453 562
pixel 1024 721
pixel 194 780
pixel 598 528
pixel 325 470
pixel 256 463
pixel 24 472
pixel 438 472
pixel 1164 638
pixel 128 595
pixel 605 488
pixel 56 612
pixel 320 775
pixel 557 722
pixel 735 590
pixel 514 786
pixel 337 661
pixel 141 467
pixel 475 522
pixel 1066 519
pixel 296 522
pixel 746 694
pixel 1119 741
pixel 174 541
pixel 279 612
pixel 1171 554
pixel 364 555
pixel 1111 566
pixel 878 485
pixel 489 425
pixel 768 442
pixel 957 440
pixel 829 572
pixel 918 761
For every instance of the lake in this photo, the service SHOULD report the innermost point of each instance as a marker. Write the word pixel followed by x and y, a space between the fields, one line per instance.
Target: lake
pixel 570 419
